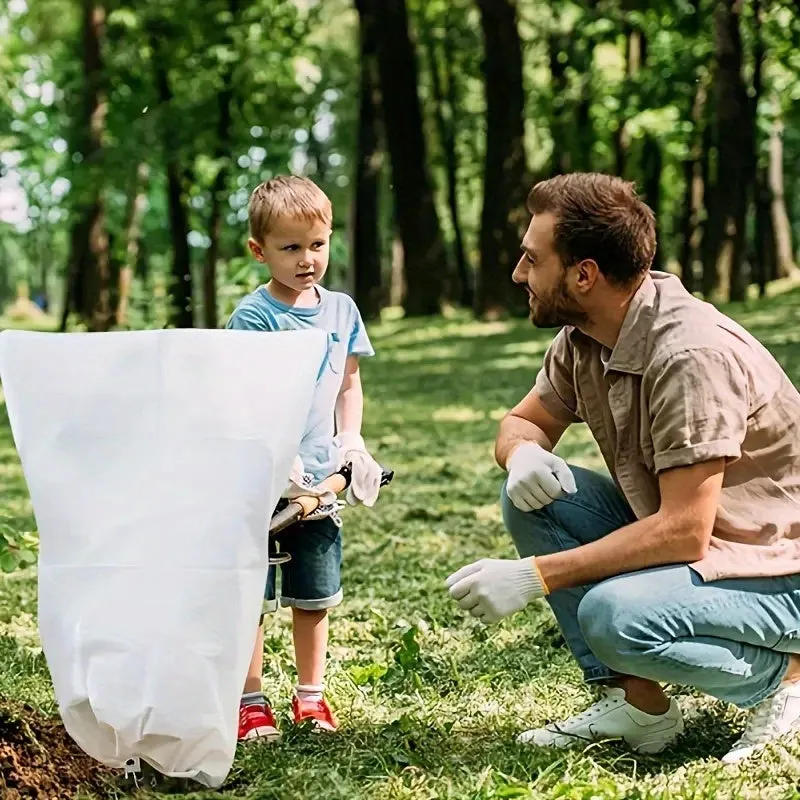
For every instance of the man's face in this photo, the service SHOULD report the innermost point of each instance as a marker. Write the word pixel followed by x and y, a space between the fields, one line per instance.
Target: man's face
pixel 546 278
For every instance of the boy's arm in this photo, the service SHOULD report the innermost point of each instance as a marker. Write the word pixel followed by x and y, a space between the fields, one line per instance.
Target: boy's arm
pixel 366 472
pixel 350 402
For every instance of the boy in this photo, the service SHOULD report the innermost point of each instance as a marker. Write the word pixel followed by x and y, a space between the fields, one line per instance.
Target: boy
pixel 290 228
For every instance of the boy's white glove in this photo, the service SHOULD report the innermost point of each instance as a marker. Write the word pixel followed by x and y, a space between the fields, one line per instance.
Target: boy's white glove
pixel 365 483
pixel 536 477
pixel 301 484
pixel 493 588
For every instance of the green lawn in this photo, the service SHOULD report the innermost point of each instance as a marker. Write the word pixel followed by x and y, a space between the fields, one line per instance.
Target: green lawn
pixel 431 701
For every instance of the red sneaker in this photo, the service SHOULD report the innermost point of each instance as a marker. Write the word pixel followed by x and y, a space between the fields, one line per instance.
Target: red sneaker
pixel 317 710
pixel 257 722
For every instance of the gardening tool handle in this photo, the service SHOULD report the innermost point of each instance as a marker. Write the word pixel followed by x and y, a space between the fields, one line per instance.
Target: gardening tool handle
pixel 300 507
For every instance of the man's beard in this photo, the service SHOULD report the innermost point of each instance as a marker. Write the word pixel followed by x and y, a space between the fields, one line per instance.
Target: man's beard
pixel 555 309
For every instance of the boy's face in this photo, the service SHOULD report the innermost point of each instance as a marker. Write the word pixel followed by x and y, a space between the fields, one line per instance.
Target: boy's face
pixel 296 252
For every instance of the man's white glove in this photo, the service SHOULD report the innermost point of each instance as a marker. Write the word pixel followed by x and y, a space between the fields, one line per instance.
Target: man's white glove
pixel 536 477
pixel 493 588
pixel 365 483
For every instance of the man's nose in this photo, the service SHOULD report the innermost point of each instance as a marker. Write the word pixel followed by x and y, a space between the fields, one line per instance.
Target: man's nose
pixel 520 274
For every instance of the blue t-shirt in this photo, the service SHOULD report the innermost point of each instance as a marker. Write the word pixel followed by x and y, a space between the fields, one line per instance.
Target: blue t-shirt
pixel 337 314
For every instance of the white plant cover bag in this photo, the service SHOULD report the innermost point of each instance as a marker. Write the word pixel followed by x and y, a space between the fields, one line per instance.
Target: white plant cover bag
pixel 154 460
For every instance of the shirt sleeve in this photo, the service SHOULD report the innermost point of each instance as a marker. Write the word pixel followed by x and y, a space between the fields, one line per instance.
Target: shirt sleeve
pixel 699 405
pixel 358 343
pixel 555 383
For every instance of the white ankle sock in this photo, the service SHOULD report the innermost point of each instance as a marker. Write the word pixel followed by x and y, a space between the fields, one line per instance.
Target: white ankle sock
pixel 253 699
pixel 309 691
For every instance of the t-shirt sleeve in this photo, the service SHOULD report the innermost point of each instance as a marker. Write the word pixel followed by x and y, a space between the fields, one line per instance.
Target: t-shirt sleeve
pixel 699 405
pixel 247 318
pixel 555 383
pixel 358 343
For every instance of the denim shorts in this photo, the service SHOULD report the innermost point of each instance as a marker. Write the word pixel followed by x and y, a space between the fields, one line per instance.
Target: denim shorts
pixel 312 579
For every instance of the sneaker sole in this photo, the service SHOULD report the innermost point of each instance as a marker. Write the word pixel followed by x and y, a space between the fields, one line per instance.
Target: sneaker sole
pixel 264 734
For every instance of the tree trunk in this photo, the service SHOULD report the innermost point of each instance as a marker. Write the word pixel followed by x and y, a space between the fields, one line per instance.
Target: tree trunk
pixel 786 266
pixel 504 215
pixel 133 229
pixel 180 288
pixel 369 160
pixel 766 267
pixel 693 191
pixel 88 282
pixel 219 187
pixel 424 252
pixel 734 136
pixel 652 167
pixel 560 161
pixel 446 127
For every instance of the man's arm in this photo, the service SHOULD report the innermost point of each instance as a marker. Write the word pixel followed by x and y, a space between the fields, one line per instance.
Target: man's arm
pixel 528 421
pixel 678 533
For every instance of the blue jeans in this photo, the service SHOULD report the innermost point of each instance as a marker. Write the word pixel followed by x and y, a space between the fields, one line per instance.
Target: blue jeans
pixel 728 638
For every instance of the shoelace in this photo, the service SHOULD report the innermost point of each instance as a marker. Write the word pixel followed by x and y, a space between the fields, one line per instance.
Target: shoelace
pixel 588 714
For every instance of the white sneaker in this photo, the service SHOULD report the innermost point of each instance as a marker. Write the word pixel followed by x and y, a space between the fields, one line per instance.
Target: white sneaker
pixel 612 718
pixel 774 718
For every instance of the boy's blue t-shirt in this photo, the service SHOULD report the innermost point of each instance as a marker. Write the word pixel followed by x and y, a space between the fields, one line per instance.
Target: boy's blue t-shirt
pixel 337 314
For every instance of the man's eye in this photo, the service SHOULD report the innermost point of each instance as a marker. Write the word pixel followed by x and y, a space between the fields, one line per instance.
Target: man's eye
pixel 529 259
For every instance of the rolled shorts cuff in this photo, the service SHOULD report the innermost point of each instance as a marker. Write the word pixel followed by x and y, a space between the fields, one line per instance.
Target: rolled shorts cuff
pixel 317 604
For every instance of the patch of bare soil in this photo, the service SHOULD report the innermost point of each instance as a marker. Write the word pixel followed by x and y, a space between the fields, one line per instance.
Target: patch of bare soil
pixel 38 759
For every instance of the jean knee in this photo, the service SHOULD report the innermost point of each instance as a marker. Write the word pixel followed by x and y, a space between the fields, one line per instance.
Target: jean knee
pixel 531 531
pixel 613 627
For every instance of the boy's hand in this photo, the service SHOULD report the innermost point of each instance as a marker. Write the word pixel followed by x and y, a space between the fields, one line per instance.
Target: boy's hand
pixel 365 483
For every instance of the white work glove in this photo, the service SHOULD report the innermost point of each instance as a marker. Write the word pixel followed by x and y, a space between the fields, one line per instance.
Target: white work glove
pixel 365 483
pixel 536 477
pixel 493 588
pixel 301 484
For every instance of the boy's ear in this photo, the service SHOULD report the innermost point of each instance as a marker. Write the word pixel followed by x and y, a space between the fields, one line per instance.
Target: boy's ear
pixel 256 250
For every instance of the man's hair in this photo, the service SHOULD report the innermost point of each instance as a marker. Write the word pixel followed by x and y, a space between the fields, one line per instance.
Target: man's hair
pixel 287 196
pixel 598 217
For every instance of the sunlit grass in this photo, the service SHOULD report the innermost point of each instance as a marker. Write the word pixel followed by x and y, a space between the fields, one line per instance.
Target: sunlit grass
pixel 430 701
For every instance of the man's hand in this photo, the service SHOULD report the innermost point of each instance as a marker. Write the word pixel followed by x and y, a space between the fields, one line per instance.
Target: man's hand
pixel 536 477
pixel 492 588
pixel 365 483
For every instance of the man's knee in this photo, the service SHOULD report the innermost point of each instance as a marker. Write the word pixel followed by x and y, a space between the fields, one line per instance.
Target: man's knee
pixel 613 617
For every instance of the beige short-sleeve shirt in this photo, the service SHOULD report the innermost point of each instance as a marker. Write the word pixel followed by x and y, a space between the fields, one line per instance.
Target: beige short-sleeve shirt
pixel 686 384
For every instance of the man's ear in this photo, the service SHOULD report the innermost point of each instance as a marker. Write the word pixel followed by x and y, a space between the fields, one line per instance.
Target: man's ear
pixel 586 274
pixel 256 250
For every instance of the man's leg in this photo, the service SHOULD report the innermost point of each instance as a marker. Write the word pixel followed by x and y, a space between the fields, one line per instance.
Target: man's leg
pixel 735 639
pixel 631 708
pixel 594 511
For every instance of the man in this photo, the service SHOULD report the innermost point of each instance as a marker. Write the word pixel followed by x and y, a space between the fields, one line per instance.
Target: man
pixel 685 568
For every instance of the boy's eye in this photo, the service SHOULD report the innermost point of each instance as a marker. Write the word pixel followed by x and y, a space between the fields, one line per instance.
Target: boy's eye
pixel 317 245
pixel 290 247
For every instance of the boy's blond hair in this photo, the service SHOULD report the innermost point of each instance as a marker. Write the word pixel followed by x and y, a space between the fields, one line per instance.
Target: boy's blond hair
pixel 287 196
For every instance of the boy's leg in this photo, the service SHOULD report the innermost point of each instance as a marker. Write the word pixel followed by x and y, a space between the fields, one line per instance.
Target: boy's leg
pixel 311 585
pixel 256 719
pixel 594 511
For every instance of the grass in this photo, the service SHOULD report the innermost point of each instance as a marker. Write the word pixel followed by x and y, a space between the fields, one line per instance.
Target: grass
pixel 431 701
